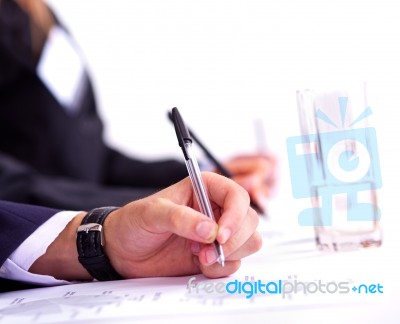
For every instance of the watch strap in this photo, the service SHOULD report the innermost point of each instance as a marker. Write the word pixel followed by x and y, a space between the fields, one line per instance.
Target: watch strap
pixel 90 245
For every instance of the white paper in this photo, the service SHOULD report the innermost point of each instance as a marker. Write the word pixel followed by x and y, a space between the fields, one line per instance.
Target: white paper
pixel 283 257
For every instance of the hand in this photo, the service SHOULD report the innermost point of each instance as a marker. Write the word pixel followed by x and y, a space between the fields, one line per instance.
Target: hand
pixel 255 173
pixel 165 234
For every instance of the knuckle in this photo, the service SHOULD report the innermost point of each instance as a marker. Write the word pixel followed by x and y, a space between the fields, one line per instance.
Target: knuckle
pixel 244 193
pixel 176 216
pixel 256 242
pixel 254 218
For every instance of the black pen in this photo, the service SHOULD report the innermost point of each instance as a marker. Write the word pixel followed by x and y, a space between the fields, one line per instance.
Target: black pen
pixel 218 165
pixel 185 142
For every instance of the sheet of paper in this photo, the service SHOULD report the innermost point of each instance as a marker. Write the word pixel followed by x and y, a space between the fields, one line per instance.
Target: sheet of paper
pixel 300 280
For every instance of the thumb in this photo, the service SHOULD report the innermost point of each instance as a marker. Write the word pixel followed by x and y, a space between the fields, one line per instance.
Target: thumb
pixel 180 220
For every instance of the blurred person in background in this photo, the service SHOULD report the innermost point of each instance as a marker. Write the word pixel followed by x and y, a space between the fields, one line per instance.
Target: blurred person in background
pixel 52 150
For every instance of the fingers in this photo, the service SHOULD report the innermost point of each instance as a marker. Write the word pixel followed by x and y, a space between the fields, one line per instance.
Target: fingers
pixel 232 200
pixel 154 219
pixel 258 189
pixel 177 219
pixel 233 260
pixel 251 246
pixel 251 164
pixel 255 173
pixel 241 232
pixel 244 243
pixel 216 271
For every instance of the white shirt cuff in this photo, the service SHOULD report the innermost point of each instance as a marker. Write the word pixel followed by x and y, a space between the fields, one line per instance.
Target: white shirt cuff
pixel 18 263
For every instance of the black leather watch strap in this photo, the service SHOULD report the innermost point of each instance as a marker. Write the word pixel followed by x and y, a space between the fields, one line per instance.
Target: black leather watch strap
pixel 90 245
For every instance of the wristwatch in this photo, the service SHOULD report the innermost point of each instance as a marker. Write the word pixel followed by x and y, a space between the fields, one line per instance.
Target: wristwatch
pixel 89 243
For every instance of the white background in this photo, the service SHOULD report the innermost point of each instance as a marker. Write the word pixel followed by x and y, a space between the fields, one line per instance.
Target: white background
pixel 226 64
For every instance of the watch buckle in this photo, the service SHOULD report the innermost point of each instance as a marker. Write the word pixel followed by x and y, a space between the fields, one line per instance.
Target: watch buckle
pixel 91 227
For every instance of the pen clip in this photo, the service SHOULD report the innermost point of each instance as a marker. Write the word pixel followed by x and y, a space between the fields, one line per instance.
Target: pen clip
pixel 181 130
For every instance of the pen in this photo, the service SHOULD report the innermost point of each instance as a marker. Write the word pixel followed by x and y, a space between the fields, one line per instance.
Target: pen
pixel 185 142
pixel 218 165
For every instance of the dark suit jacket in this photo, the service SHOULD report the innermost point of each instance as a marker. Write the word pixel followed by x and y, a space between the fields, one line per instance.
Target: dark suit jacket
pixel 17 222
pixel 52 157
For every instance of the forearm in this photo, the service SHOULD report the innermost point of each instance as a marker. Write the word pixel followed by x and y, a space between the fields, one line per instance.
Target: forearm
pixel 21 183
pixel 61 257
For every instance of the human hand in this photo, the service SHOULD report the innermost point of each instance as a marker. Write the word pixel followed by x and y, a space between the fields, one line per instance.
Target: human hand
pixel 166 235
pixel 255 173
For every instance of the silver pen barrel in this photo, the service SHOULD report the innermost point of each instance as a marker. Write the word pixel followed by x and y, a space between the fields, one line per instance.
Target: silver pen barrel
pixel 201 194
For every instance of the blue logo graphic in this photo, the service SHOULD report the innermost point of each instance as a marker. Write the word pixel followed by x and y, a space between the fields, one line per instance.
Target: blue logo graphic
pixel 345 161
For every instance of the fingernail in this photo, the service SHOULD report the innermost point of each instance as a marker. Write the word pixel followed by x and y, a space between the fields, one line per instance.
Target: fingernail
pixel 211 256
pixel 205 230
pixel 225 235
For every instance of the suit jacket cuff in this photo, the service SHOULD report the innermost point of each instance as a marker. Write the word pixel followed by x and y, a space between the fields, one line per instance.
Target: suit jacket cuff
pixel 17 265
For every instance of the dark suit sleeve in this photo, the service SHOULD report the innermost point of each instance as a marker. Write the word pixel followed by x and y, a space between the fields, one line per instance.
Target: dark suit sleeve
pixel 123 170
pixel 53 157
pixel 17 222
pixel 21 183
